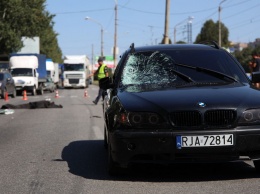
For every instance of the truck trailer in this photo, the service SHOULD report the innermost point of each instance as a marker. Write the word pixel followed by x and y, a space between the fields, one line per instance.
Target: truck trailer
pixel 76 72
pixel 29 72
pixel 52 71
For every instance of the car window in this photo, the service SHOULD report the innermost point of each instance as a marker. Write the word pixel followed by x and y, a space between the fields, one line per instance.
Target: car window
pixel 148 68
pixel 160 67
pixel 1 77
pixel 21 72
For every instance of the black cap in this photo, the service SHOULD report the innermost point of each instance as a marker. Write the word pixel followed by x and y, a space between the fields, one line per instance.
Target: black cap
pixel 100 59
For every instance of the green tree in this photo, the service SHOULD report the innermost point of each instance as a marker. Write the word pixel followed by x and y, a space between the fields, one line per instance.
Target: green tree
pixel 209 32
pixel 27 18
pixel 245 56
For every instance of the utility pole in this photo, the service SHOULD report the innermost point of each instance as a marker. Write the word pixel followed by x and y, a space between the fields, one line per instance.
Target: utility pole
pixel 166 26
pixel 219 23
pixel 115 36
pixel 151 28
pixel 189 29
pixel 92 60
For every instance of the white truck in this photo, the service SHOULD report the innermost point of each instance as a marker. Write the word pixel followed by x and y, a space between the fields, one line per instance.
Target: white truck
pixel 28 72
pixel 76 71
pixel 52 71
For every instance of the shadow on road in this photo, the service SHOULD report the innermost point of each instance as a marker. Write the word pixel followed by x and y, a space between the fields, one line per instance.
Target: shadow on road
pixel 88 159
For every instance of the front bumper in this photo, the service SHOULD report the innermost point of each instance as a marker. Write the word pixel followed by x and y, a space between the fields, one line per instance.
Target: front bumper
pixel 160 147
pixel 24 87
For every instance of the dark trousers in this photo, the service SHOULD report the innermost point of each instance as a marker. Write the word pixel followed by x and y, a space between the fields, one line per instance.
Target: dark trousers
pixel 100 93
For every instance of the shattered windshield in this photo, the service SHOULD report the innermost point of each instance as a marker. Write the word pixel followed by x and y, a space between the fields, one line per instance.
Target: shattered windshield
pixel 148 68
pixel 162 69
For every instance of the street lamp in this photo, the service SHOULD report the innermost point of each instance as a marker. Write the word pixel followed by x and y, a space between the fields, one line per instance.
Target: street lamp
pixel 102 34
pixel 115 37
pixel 219 23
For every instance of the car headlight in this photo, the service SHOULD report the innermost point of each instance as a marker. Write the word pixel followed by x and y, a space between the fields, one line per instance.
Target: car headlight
pixel 251 116
pixel 140 119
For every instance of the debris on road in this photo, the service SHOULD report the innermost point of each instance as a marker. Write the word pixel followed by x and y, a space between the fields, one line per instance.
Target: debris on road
pixel 32 105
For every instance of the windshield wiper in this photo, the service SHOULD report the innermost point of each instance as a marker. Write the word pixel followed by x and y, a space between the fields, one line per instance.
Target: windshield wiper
pixel 209 71
pixel 182 76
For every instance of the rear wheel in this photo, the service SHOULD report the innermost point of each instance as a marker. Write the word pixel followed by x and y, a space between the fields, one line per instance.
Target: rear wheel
pixel 34 91
pixel 257 165
pixel 40 91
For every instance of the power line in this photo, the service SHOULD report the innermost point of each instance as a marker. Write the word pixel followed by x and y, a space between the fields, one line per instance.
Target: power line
pixel 76 12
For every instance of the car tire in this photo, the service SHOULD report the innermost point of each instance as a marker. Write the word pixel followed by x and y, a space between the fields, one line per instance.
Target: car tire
pixel 14 93
pixel 257 165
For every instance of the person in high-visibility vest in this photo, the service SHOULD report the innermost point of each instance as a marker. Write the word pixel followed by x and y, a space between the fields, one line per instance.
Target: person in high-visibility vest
pixel 101 73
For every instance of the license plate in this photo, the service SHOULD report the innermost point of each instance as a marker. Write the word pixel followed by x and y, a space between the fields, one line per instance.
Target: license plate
pixel 204 141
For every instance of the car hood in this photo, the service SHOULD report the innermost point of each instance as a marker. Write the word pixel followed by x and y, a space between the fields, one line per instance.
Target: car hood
pixel 233 96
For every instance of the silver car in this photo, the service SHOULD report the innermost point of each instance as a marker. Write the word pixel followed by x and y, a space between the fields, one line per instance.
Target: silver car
pixel 7 85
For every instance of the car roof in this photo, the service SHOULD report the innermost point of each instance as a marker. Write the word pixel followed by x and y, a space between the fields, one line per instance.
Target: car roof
pixel 174 47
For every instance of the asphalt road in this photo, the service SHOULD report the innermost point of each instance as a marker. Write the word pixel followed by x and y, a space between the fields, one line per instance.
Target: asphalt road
pixel 60 151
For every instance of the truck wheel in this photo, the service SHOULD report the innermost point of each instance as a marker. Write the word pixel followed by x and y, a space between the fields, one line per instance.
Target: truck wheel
pixel 41 91
pixel 34 91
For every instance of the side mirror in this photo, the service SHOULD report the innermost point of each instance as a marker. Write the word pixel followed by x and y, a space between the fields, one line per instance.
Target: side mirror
pixel 37 74
pixel 105 83
pixel 255 77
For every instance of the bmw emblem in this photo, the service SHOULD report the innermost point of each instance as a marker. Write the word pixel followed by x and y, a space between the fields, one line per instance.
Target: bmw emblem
pixel 201 104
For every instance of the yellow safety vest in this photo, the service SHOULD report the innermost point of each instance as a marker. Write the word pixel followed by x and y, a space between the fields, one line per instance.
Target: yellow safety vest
pixel 101 72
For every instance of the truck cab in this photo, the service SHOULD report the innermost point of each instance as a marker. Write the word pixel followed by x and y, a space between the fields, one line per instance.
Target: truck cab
pixel 76 74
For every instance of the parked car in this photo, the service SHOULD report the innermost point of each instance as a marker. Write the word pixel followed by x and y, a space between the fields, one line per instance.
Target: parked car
pixel 49 85
pixel 7 85
pixel 178 104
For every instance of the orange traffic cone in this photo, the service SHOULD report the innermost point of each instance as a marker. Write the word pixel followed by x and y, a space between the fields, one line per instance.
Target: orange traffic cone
pixel 85 94
pixel 56 94
pixel 6 96
pixel 25 95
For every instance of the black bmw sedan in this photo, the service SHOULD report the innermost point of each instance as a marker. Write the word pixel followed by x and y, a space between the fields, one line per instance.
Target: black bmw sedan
pixel 180 103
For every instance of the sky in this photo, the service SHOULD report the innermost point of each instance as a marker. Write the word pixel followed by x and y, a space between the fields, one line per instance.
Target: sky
pixel 142 22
